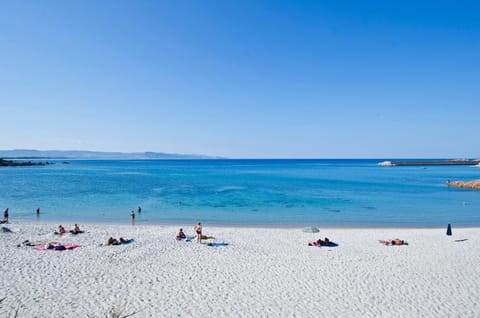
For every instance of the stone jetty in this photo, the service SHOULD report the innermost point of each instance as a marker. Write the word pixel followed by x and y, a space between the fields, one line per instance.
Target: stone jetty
pixel 15 163
pixel 457 162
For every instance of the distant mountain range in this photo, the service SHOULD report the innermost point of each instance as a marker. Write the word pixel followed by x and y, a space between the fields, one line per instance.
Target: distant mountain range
pixel 82 154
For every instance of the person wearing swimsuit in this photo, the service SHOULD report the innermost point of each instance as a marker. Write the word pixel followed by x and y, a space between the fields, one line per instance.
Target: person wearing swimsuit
pixel 198 230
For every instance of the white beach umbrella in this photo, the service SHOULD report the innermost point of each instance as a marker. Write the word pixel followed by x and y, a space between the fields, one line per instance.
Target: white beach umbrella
pixel 311 229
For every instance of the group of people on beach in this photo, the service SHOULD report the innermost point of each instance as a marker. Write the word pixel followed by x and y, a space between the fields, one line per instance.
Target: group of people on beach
pixel 120 241
pixel 62 231
pixel 76 230
pixel 198 230
pixel 132 214
pixel 6 215
pixel 327 242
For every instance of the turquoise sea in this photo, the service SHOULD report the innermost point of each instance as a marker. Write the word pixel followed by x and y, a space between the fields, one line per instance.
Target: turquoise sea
pixel 343 193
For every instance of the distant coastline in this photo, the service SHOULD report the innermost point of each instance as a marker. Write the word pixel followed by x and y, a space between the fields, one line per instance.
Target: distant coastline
pixel 95 155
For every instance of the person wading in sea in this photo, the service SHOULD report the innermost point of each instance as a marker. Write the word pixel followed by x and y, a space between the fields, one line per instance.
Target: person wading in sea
pixel 5 215
pixel 133 216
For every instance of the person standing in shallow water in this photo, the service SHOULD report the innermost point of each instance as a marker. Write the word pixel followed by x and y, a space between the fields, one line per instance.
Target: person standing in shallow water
pixel 5 215
pixel 133 216
pixel 139 210
pixel 38 211
pixel 198 230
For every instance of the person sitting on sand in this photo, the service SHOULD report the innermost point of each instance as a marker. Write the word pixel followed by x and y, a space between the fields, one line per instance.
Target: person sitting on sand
pixel 61 230
pixel 111 241
pixel 396 241
pixel 180 235
pixel 76 229
pixel 320 242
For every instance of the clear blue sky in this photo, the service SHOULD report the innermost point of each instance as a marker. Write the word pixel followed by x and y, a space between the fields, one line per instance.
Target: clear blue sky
pixel 256 79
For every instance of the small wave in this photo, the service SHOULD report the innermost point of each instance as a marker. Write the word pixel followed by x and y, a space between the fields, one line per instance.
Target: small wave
pixel 130 173
pixel 230 188
pixel 334 210
pixel 158 190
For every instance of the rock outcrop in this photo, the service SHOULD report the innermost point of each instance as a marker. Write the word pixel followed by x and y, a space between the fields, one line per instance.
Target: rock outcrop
pixel 475 184
pixel 14 163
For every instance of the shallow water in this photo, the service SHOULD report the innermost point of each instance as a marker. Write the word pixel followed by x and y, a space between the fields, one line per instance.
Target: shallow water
pixel 242 192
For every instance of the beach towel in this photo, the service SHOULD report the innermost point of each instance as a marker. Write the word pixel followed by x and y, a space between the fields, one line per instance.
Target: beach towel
pixel 332 244
pixel 38 243
pixel 217 244
pixel 393 242
pixel 329 244
pixel 56 247
pixel 75 233
pixel 127 242
pixel 189 238
pixel 179 238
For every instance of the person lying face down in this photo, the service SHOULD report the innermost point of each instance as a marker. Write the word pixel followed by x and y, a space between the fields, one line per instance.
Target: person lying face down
pixel 114 241
pixel 396 241
pixel 319 242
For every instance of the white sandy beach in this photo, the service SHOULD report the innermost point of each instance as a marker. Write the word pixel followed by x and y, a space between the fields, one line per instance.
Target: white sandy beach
pixel 261 273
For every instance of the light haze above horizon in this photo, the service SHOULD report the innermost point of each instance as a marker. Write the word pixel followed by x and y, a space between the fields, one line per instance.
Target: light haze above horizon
pixel 242 79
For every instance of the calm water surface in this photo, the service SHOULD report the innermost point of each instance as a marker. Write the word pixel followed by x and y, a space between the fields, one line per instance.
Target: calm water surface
pixel 242 192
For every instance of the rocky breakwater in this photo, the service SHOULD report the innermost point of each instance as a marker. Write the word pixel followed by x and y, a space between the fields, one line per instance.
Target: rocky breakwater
pixel 475 184
pixel 14 163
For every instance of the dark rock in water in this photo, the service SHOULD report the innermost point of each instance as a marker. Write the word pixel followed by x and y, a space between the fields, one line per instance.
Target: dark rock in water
pixel 14 163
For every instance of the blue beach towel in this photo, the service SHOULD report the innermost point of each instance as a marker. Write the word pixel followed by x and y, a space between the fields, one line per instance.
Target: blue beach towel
pixel 189 238
pixel 332 244
pixel 217 244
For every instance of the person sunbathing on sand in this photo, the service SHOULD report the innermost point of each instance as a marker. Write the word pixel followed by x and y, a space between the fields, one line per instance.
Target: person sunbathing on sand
pixel 180 235
pixel 113 241
pixel 319 242
pixel 393 242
